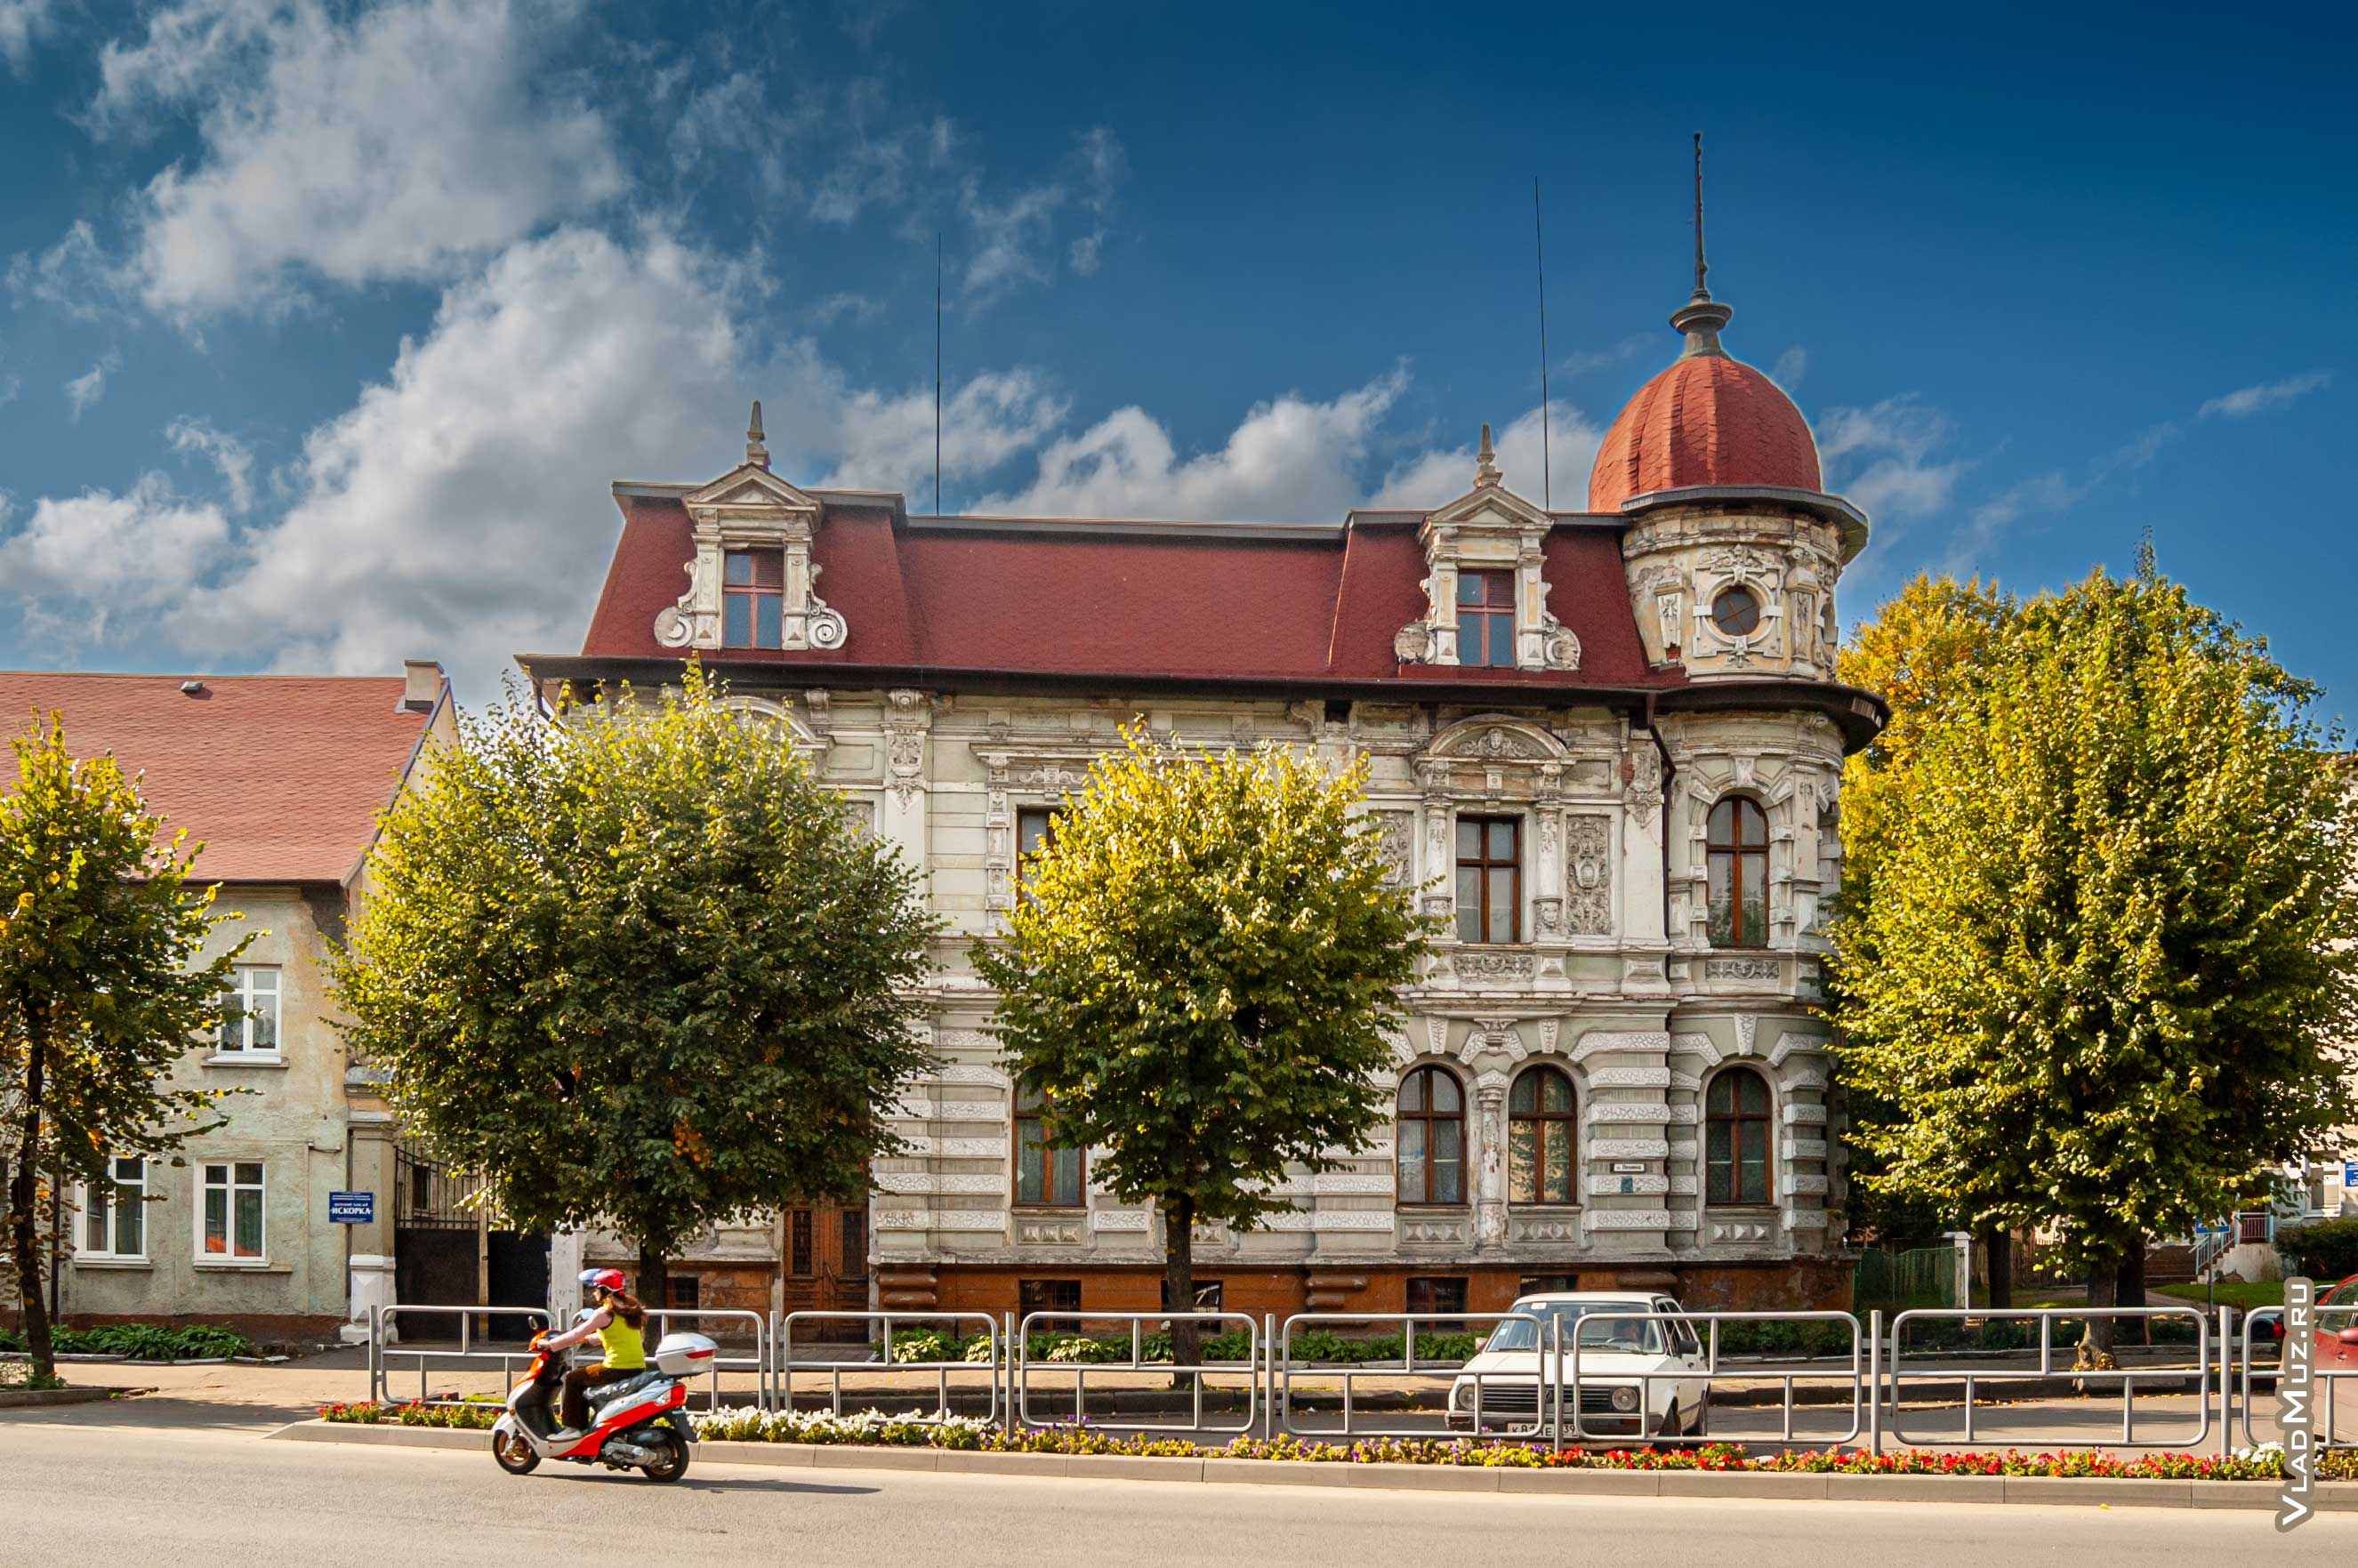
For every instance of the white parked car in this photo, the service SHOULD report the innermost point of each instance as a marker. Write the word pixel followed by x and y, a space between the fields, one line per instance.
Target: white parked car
pixel 1613 1399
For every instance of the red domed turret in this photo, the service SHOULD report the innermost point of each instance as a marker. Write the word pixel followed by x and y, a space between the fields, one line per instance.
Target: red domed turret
pixel 1706 420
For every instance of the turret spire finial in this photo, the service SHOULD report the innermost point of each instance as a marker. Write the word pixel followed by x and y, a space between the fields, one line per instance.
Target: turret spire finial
pixel 1486 469
pixel 754 451
pixel 1701 317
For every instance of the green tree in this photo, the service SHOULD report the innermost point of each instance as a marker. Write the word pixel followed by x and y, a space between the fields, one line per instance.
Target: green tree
pixel 639 967
pixel 1925 648
pixel 1198 979
pixel 2109 936
pixel 101 992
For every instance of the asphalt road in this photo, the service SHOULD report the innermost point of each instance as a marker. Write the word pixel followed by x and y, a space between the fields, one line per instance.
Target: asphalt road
pixel 89 1487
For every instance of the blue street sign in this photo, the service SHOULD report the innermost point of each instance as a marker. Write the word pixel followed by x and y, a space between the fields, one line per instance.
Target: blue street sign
pixel 351 1208
pixel 2350 1174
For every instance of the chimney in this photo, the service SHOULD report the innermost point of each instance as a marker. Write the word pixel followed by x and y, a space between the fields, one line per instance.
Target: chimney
pixel 422 685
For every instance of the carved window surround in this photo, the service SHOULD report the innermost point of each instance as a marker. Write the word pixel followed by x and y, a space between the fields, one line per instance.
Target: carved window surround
pixel 1488 529
pixel 1020 775
pixel 750 509
pixel 1568 844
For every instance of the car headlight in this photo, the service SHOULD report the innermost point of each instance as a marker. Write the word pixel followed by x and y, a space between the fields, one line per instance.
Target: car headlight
pixel 1625 1398
pixel 1462 1397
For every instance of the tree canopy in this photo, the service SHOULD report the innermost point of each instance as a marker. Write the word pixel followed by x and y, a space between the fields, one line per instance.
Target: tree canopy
pixel 638 967
pixel 2099 949
pixel 1198 978
pixel 101 991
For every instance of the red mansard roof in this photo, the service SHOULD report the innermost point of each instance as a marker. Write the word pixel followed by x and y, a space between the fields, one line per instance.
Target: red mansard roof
pixel 1227 604
pixel 281 777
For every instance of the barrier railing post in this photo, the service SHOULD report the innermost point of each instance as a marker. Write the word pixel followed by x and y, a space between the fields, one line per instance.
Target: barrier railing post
pixel 2226 1381
pixel 1012 1371
pixel 1875 1384
pixel 1554 1375
pixel 1268 1371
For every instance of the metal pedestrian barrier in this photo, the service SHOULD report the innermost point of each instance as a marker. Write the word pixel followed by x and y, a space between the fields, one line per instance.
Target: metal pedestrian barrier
pixel 905 1325
pixel 2335 1362
pixel 382 1354
pixel 1621 1397
pixel 1897 1374
pixel 693 1319
pixel 1023 1365
pixel 1523 1401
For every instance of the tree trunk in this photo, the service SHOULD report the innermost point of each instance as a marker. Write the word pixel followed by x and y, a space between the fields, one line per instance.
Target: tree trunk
pixel 2000 1242
pixel 653 1281
pixel 2104 1291
pixel 2128 1291
pixel 23 1191
pixel 1179 1277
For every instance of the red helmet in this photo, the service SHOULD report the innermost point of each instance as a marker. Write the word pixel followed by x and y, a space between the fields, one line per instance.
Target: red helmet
pixel 602 1279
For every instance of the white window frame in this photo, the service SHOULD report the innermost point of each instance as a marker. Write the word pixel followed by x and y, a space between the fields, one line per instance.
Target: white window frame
pixel 232 1185
pixel 249 994
pixel 90 1200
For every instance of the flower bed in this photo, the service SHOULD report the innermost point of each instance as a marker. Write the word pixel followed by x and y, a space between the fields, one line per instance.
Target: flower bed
pixel 970 1434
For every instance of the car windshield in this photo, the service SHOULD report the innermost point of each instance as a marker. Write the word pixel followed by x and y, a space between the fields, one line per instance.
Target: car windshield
pixel 1612 1328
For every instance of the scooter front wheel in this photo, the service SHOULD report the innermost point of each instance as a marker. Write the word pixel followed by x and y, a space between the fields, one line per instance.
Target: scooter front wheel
pixel 516 1456
pixel 673 1463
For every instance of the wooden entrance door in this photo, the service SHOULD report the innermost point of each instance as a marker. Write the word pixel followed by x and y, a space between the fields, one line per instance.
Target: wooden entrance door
pixel 826 1266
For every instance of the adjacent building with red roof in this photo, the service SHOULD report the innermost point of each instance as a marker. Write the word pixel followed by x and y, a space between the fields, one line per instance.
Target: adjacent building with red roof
pixel 1605 744
pixel 275 783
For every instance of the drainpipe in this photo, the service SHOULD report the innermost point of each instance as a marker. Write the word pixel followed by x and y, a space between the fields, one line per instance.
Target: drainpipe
pixel 1670 771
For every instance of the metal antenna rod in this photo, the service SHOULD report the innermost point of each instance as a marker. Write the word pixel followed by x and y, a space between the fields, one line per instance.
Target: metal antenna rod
pixel 1701 292
pixel 938 373
pixel 1547 461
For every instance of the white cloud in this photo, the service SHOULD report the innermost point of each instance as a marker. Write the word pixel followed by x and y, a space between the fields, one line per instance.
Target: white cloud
pixel 398 144
pixel 229 455
pixel 22 22
pixel 1011 234
pixel 1439 475
pixel 71 277
pixel 887 442
pixel 1791 367
pixel 2245 402
pixel 85 390
pixel 82 563
pixel 1290 459
pixel 459 509
pixel 1881 456
pixel 1580 361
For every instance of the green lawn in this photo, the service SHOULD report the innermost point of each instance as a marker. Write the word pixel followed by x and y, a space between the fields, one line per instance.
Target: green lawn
pixel 2242 1294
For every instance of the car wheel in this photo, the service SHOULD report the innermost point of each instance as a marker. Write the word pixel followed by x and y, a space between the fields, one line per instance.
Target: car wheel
pixel 1697 1425
pixel 1671 1425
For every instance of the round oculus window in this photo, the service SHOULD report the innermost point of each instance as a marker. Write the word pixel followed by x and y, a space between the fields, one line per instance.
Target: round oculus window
pixel 1736 612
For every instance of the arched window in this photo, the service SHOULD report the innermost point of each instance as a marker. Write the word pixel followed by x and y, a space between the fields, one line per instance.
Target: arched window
pixel 1736 847
pixel 1046 1176
pixel 1541 1133
pixel 1431 1149
pixel 1735 1138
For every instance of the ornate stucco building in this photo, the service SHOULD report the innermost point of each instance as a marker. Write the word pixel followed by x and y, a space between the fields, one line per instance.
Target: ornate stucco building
pixel 1606 745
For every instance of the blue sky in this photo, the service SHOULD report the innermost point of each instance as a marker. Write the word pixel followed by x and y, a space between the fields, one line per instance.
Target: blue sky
pixel 326 325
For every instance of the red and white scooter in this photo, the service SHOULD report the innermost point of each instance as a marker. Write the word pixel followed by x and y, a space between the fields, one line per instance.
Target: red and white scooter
pixel 639 1422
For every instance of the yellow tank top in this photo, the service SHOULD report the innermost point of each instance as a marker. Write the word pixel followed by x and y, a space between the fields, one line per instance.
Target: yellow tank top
pixel 626 1348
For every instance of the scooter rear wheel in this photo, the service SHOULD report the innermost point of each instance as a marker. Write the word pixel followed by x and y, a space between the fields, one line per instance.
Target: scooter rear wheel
pixel 674 1463
pixel 516 1456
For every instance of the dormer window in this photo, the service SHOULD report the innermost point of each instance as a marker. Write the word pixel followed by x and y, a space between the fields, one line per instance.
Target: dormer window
pixel 1485 618
pixel 752 596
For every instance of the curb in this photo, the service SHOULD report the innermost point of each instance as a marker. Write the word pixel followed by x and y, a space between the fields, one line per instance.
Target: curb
pixel 2042 1491
pixel 34 1399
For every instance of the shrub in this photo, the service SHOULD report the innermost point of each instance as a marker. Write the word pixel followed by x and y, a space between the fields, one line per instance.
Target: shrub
pixel 2325 1249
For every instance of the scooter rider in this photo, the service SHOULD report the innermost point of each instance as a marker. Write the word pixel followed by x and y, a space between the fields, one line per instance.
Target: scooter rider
pixel 619 1323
